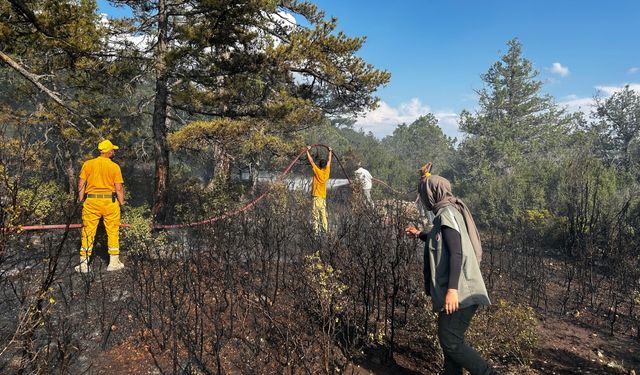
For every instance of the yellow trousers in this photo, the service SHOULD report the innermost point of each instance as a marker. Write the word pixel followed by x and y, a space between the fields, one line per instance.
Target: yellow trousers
pixel 92 210
pixel 319 214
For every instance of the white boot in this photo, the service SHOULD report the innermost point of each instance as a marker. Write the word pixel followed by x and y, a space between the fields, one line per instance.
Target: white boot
pixel 83 267
pixel 114 263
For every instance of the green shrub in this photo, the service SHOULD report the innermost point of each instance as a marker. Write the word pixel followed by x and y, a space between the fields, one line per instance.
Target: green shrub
pixel 506 330
pixel 139 236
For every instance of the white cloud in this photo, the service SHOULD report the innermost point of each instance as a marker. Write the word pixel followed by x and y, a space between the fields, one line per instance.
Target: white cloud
pixel 448 121
pixel 560 70
pixel 610 90
pixel 140 42
pixel 574 103
pixel 634 70
pixel 384 119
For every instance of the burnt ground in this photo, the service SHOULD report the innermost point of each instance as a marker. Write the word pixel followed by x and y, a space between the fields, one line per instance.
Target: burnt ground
pixel 566 346
pixel 570 347
pixel 108 338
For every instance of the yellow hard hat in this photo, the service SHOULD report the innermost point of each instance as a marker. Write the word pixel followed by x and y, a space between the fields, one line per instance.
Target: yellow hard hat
pixel 106 146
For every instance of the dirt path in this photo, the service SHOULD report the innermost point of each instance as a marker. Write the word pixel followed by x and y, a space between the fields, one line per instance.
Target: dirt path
pixel 570 348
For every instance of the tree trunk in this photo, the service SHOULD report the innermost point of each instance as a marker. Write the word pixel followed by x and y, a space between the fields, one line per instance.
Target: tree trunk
pixel 222 167
pixel 159 123
pixel 70 171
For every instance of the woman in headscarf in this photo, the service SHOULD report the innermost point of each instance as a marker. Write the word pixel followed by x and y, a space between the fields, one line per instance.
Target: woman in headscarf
pixel 452 273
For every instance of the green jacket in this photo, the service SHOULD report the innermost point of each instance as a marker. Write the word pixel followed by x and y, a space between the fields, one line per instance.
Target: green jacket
pixel 471 288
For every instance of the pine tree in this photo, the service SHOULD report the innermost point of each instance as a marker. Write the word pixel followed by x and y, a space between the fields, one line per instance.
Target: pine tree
pixel 51 53
pixel 231 77
pixel 416 144
pixel 514 120
pixel 619 128
pixel 512 143
pixel 248 72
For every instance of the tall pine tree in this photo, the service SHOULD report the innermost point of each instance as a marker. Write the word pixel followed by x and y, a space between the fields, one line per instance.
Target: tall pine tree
pixel 618 125
pixel 244 75
pixel 515 119
pixel 511 142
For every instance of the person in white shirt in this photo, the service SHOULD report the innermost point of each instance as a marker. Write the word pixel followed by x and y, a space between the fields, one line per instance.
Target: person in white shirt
pixel 364 178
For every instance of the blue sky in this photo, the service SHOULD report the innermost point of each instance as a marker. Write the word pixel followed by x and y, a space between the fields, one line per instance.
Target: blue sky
pixel 436 50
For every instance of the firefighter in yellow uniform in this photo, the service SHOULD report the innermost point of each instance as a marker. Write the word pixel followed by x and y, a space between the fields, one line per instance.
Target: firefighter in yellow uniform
pixel 319 191
pixel 101 188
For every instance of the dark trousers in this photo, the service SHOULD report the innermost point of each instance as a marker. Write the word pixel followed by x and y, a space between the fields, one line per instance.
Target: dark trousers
pixel 457 353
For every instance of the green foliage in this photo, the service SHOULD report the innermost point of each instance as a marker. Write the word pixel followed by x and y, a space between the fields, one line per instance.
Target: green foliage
pixel 506 329
pixel 69 26
pixel 194 199
pixel 413 145
pixel 62 46
pixel 139 237
pixel 514 145
pixel 242 138
pixel 328 299
pixel 240 75
pixel 325 282
pixel 38 200
pixel 280 201
pixel 514 119
pixel 586 190
pixel 28 194
pixel 619 128
pixel 397 157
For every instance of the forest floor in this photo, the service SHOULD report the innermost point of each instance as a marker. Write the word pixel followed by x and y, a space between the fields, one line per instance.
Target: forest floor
pixel 565 346
pixel 111 342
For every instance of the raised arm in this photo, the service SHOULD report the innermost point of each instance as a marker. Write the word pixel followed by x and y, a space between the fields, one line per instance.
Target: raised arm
pixel 309 156
pixel 425 170
pixel 330 157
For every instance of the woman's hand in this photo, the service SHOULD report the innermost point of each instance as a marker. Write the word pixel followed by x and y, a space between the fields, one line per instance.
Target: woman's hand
pixel 412 232
pixel 451 301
